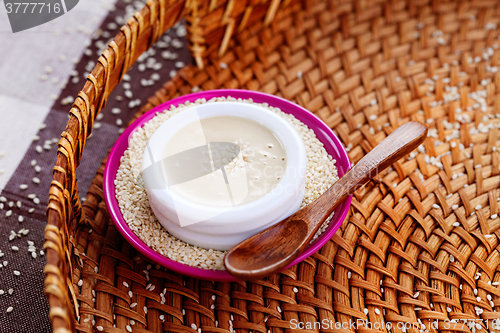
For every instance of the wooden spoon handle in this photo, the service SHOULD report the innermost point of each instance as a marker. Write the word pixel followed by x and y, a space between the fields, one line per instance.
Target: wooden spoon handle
pixel 399 143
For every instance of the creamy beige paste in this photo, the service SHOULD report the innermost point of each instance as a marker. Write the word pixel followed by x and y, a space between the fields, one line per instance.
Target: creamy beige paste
pixel 251 156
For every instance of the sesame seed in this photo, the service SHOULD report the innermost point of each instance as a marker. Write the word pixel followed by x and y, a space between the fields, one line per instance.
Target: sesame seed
pixel 377 311
pixel 193 326
pixel 36 180
pixel 23 187
pixel 478 207
pixel 10 309
pixel 494 216
pixel 15 248
pixel 125 284
pixel 456 224
pixel 435 206
pixel 17 273
pixel 100 328
pixel 8 213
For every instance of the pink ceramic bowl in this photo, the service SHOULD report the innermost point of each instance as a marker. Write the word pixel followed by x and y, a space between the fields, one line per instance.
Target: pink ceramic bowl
pixel 332 145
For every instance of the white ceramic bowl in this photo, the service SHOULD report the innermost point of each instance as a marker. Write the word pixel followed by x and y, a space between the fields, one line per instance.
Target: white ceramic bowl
pixel 221 228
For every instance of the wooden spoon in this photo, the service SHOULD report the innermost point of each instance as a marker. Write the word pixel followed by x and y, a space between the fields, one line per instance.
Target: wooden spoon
pixel 274 248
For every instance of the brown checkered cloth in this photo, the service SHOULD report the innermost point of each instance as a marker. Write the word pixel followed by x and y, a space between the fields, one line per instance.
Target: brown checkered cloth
pixel 23 306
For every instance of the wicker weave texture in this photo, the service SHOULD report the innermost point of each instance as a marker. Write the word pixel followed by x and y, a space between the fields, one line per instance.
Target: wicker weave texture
pixel 421 242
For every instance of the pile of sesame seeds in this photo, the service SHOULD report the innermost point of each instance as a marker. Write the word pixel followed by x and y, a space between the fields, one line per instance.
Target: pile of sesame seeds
pixel 131 194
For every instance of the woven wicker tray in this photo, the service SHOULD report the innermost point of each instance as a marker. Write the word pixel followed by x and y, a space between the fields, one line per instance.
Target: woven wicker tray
pixel 421 242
